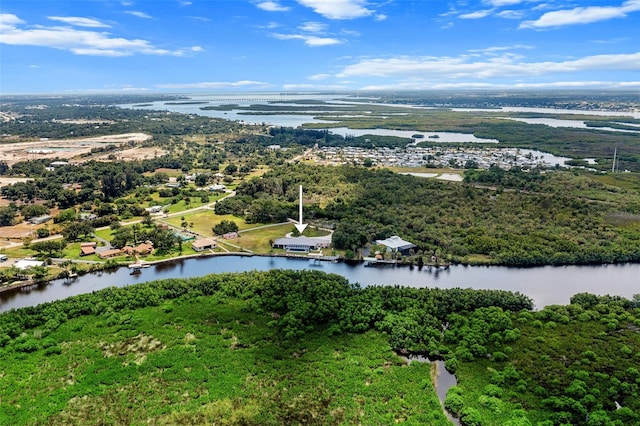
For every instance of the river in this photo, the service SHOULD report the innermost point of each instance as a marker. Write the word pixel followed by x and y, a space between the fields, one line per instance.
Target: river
pixel 546 285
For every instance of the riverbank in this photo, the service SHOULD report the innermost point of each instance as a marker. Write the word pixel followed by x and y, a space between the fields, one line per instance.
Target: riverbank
pixel 20 285
pixel 298 308
pixel 548 285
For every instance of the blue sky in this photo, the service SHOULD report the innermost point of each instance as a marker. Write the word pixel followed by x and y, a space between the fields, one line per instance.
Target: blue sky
pixel 139 46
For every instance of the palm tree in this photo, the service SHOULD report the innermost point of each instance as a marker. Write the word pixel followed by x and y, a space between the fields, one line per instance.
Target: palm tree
pixel 135 227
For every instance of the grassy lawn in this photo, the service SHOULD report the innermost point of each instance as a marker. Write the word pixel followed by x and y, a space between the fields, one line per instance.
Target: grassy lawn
pixel 19 252
pixel 258 240
pixel 478 258
pixel 181 205
pixel 202 220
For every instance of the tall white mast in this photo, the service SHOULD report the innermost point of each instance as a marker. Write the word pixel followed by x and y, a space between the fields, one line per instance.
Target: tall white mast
pixel 613 167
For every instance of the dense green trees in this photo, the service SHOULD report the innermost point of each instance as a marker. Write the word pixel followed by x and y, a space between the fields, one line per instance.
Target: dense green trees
pixel 77 230
pixel 561 365
pixel 48 247
pixel 8 214
pixel 529 218
pixel 163 240
pixel 224 227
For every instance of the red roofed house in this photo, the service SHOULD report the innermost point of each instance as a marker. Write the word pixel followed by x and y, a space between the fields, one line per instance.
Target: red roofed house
pixel 142 248
pixel 87 248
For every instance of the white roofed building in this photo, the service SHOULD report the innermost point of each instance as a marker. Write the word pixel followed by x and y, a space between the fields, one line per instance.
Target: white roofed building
pixel 396 244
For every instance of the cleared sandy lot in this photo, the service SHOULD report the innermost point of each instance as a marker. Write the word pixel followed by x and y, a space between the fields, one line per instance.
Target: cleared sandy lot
pixel 73 150
pixel 11 180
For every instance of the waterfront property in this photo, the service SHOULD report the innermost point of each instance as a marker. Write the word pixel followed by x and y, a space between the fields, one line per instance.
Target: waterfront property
pixel 301 244
pixel 185 236
pixel 28 262
pixel 397 244
pixel 142 249
pixel 202 244
pixel 110 253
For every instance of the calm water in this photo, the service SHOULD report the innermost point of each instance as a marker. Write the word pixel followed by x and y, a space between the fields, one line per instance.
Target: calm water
pixel 577 124
pixel 443 382
pixel 545 285
pixel 295 120
pixel 427 136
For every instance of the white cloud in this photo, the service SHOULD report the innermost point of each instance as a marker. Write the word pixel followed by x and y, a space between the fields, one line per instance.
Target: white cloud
pixel 500 3
pixel 126 88
pixel 611 41
pixel 582 15
pixel 215 85
pixel 350 33
pixel 111 89
pixel 338 9
pixel 9 21
pixel 270 26
pixel 320 77
pixel 469 67
pixel 381 17
pixel 272 6
pixel 315 87
pixel 493 49
pixel 437 85
pixel 477 14
pixel 138 14
pixel 79 42
pixel 510 14
pixel 309 40
pixel 313 27
pixel 80 21
pixel 185 3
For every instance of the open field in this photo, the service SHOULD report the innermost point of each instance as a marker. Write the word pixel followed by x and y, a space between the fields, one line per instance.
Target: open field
pixel 69 149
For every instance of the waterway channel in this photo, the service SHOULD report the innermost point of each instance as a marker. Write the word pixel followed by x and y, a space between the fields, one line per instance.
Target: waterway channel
pixel 442 382
pixel 546 285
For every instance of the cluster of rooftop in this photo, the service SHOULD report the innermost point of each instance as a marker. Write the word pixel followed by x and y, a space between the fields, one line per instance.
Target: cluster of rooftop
pixel 437 156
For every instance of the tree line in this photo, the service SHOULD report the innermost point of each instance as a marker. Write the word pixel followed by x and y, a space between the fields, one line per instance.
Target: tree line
pixel 507 217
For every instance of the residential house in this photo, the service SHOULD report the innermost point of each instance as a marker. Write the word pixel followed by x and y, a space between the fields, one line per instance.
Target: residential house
pixel 142 249
pixel 202 244
pixel 397 244
pixel 28 262
pixel 88 248
pixel 110 253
